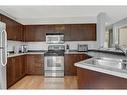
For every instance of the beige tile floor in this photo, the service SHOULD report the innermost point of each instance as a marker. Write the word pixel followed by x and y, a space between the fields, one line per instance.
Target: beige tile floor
pixel 40 82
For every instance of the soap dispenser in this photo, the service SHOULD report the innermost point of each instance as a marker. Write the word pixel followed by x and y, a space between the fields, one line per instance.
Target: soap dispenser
pixel 67 48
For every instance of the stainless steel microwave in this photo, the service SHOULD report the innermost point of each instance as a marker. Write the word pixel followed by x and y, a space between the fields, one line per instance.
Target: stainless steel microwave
pixel 54 38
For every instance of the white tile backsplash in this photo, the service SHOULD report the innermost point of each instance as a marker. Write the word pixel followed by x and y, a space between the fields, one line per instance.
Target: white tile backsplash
pixel 43 46
pixel 11 44
pixel 37 46
pixel 72 44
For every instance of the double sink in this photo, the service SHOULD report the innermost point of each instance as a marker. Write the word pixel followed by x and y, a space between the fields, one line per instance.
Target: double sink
pixel 110 63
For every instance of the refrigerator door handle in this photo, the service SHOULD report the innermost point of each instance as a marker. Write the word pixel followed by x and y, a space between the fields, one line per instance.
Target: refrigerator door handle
pixel 4 41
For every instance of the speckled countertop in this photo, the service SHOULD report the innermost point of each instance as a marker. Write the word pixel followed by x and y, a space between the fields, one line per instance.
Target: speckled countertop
pixel 103 69
pixel 40 52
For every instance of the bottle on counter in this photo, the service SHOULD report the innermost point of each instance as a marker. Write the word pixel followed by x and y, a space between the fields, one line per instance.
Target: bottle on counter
pixel 16 49
pixel 24 48
pixel 67 48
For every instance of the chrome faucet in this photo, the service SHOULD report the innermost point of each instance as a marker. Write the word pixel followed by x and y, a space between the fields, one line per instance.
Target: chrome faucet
pixel 117 47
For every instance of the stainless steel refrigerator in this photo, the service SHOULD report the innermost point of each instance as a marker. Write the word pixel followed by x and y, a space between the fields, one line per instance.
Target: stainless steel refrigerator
pixel 3 55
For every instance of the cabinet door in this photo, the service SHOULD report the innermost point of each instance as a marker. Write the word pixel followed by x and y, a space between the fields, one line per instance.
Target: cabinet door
pixel 19 32
pixel 39 60
pixel 0 17
pixel 13 28
pixel 23 69
pixel 70 60
pixel 10 72
pixel 83 32
pixel 65 29
pixel 35 64
pixel 30 64
pixel 35 32
pixel 69 68
pixel 10 27
pixel 50 28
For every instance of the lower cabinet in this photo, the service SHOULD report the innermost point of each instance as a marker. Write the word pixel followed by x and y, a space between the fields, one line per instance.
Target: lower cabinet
pixel 19 66
pixel 35 64
pixel 70 59
pixel 89 79
pixel 15 69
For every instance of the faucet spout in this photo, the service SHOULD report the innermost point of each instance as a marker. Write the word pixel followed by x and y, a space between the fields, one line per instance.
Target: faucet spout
pixel 117 47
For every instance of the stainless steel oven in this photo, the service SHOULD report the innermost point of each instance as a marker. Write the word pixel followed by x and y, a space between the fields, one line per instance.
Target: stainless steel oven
pixel 54 61
pixel 54 66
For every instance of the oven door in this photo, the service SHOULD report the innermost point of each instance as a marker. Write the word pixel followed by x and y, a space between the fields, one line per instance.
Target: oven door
pixel 54 63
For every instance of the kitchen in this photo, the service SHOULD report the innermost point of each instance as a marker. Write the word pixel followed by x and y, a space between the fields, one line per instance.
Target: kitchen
pixel 66 52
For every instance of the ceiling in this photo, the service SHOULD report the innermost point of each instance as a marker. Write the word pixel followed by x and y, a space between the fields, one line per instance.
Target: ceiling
pixel 61 14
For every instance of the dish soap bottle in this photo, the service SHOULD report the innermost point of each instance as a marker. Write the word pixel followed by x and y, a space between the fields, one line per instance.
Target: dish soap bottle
pixel 67 48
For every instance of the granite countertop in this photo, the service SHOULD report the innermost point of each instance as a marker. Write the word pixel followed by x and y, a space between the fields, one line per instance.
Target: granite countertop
pixel 91 53
pixel 29 52
pixel 103 69
pixel 41 52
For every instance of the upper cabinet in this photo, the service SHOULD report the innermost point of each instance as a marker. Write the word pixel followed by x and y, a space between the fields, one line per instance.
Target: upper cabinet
pixel 35 32
pixel 0 17
pixel 30 33
pixel 14 29
pixel 83 32
pixel 72 32
pixel 38 32
pixel 63 28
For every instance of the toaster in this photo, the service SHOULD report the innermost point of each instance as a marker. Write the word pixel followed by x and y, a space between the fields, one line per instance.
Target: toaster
pixel 82 47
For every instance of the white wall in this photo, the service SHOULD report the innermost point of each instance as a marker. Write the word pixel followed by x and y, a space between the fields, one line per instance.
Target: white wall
pixel 116 27
pixel 103 20
pixel 123 37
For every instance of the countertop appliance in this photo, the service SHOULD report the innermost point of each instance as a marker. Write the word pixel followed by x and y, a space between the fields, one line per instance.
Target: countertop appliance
pixel 54 61
pixel 3 55
pixel 24 48
pixel 82 47
pixel 54 38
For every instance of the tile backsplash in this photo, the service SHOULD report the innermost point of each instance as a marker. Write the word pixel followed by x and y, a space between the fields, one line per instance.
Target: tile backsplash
pixel 43 46
pixel 11 44
pixel 72 45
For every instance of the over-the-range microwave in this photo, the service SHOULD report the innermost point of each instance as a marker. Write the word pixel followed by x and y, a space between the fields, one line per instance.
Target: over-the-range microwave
pixel 54 38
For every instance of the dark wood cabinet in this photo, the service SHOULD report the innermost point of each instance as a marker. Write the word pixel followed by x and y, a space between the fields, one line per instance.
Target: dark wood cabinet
pixel 65 29
pixel 89 79
pixel 72 32
pixel 13 28
pixel 83 32
pixel 35 32
pixel 70 59
pixel 18 67
pixel 23 69
pixel 15 69
pixel 29 33
pixel 0 17
pixel 10 72
pixel 35 64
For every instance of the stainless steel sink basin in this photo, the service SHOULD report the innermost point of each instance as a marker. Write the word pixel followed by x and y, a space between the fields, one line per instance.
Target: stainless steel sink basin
pixel 110 62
